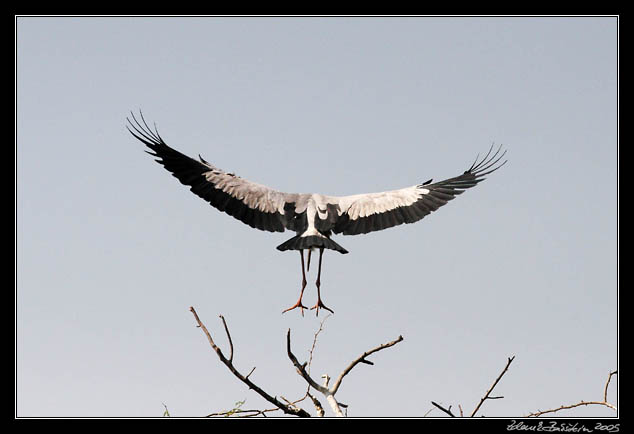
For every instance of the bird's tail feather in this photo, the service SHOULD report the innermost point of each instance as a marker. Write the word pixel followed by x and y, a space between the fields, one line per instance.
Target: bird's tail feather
pixel 299 243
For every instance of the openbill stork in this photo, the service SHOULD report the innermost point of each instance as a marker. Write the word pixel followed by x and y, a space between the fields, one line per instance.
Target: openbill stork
pixel 314 217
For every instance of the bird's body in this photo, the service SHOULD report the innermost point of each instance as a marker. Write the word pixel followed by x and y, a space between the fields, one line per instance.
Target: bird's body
pixel 313 217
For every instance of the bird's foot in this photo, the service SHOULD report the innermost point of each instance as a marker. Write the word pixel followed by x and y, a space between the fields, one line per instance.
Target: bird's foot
pixel 298 304
pixel 318 305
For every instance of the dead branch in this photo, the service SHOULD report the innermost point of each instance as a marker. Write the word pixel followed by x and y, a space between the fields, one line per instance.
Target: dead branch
pixel 607 383
pixel 487 396
pixel 361 359
pixel 243 413
pixel 288 409
pixel 318 407
pixel 230 342
pixel 166 413
pixel 329 393
pixel 312 349
pixel 301 368
pixel 604 403
pixel 446 410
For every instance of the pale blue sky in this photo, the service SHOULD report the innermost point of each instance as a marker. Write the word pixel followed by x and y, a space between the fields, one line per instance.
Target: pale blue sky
pixel 111 250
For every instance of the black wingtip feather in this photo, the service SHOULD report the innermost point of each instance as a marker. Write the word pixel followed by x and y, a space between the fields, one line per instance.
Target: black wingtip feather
pixel 481 168
pixel 202 160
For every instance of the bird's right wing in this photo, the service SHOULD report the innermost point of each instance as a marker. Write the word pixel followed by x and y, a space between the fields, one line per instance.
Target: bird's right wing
pixel 254 204
pixel 363 213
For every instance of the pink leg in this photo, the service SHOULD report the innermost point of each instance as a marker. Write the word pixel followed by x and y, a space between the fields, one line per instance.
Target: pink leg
pixel 299 302
pixel 318 283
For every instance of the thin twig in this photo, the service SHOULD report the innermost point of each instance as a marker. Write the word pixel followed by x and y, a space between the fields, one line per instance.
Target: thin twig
pixel 243 413
pixel 446 410
pixel 605 393
pixel 301 369
pixel 228 337
pixel 228 362
pixel 209 338
pixel 312 349
pixel 166 413
pixel 291 404
pixel 568 407
pixel 316 403
pixel 508 363
pixel 604 403
pixel 329 393
pixel 360 359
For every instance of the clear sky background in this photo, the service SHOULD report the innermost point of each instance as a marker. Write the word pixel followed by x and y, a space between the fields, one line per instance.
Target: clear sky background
pixel 111 250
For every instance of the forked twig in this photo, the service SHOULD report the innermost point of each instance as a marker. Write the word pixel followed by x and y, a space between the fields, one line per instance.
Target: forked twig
pixel 329 393
pixel 230 341
pixel 362 359
pixel 446 410
pixel 487 396
pixel 604 403
pixel 288 409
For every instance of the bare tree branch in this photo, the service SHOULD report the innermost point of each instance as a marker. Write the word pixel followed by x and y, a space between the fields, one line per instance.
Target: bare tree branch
pixel 604 403
pixel 166 413
pixel 243 413
pixel 486 396
pixel 318 407
pixel 605 392
pixel 361 359
pixel 508 363
pixel 229 363
pixel 301 369
pixel 446 410
pixel 230 342
pixel 329 393
pixel 312 349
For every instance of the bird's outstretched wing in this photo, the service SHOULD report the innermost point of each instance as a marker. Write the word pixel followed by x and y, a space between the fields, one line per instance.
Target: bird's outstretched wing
pixel 254 204
pixel 363 213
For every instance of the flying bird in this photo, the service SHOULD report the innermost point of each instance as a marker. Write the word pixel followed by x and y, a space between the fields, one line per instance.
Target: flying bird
pixel 313 217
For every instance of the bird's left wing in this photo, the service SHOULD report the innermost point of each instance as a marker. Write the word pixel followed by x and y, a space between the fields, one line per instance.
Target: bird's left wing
pixel 254 204
pixel 363 213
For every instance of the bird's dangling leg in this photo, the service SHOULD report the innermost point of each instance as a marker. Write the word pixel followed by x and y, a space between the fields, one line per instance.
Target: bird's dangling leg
pixel 318 283
pixel 308 263
pixel 299 302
